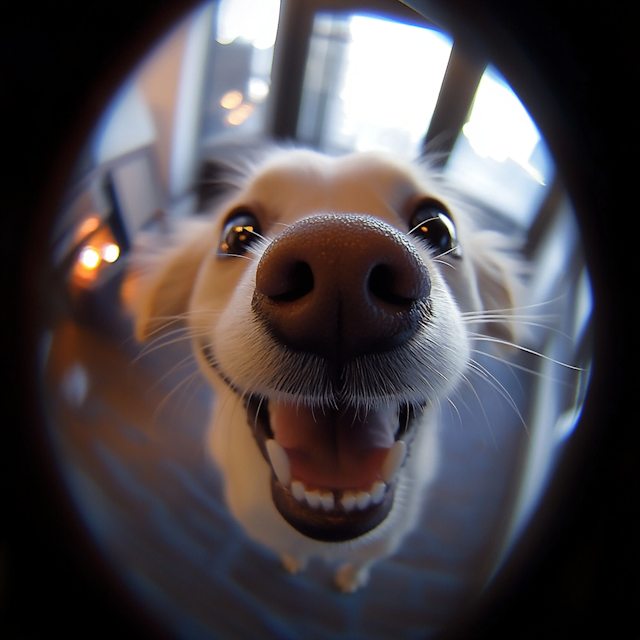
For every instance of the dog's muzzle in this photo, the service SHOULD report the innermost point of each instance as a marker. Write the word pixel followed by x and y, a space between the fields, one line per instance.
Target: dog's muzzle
pixel 341 288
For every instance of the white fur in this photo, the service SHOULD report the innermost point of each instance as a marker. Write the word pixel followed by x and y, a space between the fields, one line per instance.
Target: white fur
pixel 187 278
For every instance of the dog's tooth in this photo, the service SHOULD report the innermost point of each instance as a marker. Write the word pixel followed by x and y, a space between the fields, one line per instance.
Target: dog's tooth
pixel 313 498
pixel 378 489
pixel 363 499
pixel 393 461
pixel 348 500
pixel 279 462
pixel 328 501
pixel 297 489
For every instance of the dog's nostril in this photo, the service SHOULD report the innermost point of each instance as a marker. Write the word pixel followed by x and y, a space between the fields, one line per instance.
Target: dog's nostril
pixel 383 284
pixel 295 282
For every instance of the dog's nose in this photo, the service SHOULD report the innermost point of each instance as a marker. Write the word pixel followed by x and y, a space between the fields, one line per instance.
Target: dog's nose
pixel 340 286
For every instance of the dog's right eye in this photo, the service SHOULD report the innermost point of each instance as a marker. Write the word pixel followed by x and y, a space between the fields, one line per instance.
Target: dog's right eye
pixel 240 231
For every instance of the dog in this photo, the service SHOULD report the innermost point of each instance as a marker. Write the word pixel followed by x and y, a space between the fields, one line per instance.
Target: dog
pixel 331 303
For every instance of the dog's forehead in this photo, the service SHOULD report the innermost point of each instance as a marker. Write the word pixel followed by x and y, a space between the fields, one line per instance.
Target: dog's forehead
pixel 300 183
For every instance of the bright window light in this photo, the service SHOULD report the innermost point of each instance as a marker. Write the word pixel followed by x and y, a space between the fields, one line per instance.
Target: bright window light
pixel 255 21
pixel 500 127
pixel 389 86
pixel 501 160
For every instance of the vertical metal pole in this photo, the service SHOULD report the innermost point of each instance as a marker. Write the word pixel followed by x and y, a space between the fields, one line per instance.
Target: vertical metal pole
pixel 289 62
pixel 458 90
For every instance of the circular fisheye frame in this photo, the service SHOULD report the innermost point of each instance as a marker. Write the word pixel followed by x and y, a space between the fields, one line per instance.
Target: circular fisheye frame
pixel 121 374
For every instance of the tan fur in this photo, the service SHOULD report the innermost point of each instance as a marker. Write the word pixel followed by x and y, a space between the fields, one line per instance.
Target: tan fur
pixel 184 276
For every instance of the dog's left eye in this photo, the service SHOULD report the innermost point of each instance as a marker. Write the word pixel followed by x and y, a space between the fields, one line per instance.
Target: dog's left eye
pixel 240 231
pixel 431 222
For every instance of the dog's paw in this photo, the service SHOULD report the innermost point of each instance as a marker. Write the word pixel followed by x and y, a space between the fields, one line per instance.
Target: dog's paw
pixel 291 564
pixel 351 577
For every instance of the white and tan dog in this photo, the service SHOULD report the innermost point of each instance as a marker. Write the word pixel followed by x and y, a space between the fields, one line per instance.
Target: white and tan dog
pixel 331 303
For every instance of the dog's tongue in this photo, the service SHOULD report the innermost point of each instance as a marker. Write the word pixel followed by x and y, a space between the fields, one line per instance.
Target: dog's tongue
pixel 335 449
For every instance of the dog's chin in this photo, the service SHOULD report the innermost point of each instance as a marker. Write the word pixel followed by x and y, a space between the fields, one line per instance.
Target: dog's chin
pixel 350 491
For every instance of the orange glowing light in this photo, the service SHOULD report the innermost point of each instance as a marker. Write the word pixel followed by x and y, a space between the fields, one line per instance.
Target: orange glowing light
pixel 89 258
pixel 110 252
pixel 88 226
pixel 96 253
pixel 239 115
pixel 231 100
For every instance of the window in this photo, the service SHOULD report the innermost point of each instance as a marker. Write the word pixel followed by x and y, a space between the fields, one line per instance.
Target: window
pixel 361 94
pixel 238 76
pixel 501 152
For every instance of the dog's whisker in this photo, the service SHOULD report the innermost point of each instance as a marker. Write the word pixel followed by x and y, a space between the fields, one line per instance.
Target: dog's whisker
pixel 480 403
pixel 185 382
pixel 499 387
pixel 166 341
pixel 544 321
pixel 453 405
pixel 191 385
pixel 534 305
pixel 510 312
pixel 421 223
pixel 483 338
pixel 185 362
pixel 162 328
pixel 445 253
pixel 282 224
pixel 501 319
pixel 515 322
pixel 445 263
pixel 507 314
pixel 512 365
pixel 255 420
pixel 157 345
pixel 239 255
pixel 168 321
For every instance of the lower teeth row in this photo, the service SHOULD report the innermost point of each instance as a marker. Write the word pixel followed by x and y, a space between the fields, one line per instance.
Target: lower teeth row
pixel 349 500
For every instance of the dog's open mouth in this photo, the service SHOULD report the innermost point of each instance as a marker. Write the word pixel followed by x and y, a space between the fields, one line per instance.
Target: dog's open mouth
pixel 334 470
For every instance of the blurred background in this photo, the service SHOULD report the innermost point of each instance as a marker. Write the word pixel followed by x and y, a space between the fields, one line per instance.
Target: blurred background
pixel 339 78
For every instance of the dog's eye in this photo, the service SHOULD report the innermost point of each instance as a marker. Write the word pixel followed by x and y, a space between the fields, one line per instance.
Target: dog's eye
pixel 240 231
pixel 431 222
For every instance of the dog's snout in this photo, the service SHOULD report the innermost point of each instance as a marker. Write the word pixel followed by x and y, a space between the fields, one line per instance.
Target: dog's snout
pixel 341 286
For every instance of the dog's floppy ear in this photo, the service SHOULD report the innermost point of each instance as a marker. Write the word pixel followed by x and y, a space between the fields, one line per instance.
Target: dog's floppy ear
pixel 161 276
pixel 500 276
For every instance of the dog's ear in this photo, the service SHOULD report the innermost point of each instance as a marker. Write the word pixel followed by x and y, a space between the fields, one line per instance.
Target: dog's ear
pixel 500 276
pixel 161 276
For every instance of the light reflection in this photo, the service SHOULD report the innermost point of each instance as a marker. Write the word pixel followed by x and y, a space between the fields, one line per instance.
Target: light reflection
pixel 258 89
pixel 110 252
pixel 98 251
pixel 75 385
pixel 231 100
pixel 89 258
pixel 239 115
pixel 88 227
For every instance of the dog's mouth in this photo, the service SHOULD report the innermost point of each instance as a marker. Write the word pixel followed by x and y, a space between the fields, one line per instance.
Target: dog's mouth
pixel 334 470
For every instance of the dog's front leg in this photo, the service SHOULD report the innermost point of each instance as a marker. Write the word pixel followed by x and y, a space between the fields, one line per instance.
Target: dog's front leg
pixel 351 576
